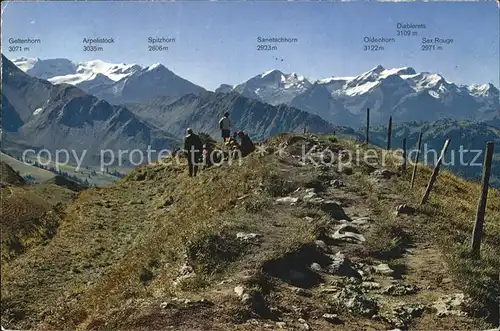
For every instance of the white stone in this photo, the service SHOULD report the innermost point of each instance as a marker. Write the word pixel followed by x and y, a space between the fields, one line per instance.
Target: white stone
pixel 383 269
pixel 310 195
pixel 287 200
pixel 450 305
pixel 281 325
pixel 332 318
pixel 342 234
pixel 247 236
pixel 361 221
pixel 239 290
pixel 322 245
pixel 316 267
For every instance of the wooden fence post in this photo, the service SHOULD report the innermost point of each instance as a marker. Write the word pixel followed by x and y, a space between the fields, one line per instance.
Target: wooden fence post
pixel 404 154
pixel 435 173
pixel 416 160
pixel 389 133
pixel 477 232
pixel 367 125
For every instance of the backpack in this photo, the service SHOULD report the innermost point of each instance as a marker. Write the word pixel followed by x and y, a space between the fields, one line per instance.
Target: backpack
pixel 221 123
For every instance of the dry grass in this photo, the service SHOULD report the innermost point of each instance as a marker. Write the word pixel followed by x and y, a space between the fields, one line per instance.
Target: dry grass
pixel 24 168
pixel 119 248
pixel 452 210
pixel 129 240
pixel 27 220
pixel 447 219
pixel 56 195
pixel 202 223
pixel 9 176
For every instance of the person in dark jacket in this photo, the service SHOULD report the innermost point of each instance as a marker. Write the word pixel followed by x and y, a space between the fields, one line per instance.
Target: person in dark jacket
pixel 246 143
pixel 193 147
pixel 208 155
pixel 234 149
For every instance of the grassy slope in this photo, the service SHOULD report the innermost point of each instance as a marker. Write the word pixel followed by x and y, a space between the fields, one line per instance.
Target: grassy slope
pixel 136 231
pixel 119 248
pixel 451 210
pixel 24 169
pixel 30 215
pixel 42 175
pixel 472 136
pixel 9 176
pixel 448 219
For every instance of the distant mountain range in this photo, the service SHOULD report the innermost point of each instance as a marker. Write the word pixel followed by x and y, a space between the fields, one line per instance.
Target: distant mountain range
pixel 117 106
pixel 115 83
pixel 494 121
pixel 38 114
pixel 58 71
pixel 471 136
pixel 402 93
pixel 202 113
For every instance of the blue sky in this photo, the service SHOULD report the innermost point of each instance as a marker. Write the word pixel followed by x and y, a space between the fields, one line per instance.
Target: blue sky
pixel 216 41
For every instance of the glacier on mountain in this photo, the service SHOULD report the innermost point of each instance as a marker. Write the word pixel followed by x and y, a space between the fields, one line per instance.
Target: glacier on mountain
pixel 400 92
pixel 59 71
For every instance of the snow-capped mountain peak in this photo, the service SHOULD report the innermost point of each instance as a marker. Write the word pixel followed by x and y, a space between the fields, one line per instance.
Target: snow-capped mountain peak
pixel 483 90
pixel 297 77
pixel 294 76
pixel 369 77
pixel 295 81
pixel 275 76
pixel 60 71
pixel 274 84
pixel 416 95
pixel 114 82
pixel 333 79
pixel 398 71
pixel 113 71
pixel 425 80
pixel 334 85
pixel 272 73
pixel 377 69
pixel 154 67
pixel 224 88
pixel 25 64
pixel 365 81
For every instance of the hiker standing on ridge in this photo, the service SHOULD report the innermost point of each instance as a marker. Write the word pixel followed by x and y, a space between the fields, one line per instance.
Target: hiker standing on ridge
pixel 207 156
pixel 234 149
pixel 193 147
pixel 225 127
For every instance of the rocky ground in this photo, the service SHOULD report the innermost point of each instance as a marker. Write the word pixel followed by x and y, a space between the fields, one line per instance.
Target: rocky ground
pixel 279 242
